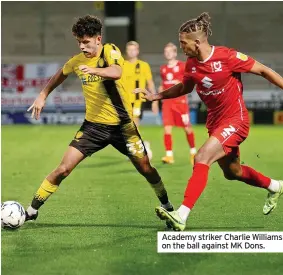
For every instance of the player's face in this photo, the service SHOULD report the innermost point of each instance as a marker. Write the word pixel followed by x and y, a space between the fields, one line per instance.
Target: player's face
pixel 89 45
pixel 189 46
pixel 132 51
pixel 170 53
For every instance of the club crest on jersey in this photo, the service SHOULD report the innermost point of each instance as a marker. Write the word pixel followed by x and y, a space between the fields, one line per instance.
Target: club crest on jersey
pixel 217 66
pixel 194 70
pixel 242 56
pixel 115 54
pixel 176 69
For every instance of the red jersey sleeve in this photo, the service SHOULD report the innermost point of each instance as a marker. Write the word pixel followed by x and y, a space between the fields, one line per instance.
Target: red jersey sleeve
pixel 187 71
pixel 239 62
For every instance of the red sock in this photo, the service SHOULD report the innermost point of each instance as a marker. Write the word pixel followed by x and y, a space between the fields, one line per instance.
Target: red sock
pixel 254 178
pixel 191 139
pixel 168 142
pixel 196 184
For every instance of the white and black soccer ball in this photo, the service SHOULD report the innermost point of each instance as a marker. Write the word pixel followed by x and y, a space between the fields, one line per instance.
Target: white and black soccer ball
pixel 12 215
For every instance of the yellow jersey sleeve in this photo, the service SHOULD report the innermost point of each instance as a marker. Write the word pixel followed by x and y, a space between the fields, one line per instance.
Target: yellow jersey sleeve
pixel 113 55
pixel 147 71
pixel 69 66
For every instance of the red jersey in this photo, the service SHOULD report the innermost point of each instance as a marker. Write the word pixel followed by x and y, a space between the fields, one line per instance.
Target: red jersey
pixel 171 76
pixel 218 84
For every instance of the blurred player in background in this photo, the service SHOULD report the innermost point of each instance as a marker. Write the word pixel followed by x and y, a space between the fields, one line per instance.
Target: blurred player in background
pixel 108 117
pixel 138 75
pixel 175 111
pixel 216 71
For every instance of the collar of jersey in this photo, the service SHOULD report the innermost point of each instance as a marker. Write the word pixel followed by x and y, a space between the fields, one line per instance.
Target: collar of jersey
pixel 173 66
pixel 211 54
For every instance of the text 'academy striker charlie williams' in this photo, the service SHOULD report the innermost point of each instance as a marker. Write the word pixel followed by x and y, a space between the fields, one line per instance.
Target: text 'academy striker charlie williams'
pixel 226 237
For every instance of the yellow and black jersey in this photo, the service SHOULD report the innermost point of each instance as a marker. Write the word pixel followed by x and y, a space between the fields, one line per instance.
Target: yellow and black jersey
pixel 136 75
pixel 107 101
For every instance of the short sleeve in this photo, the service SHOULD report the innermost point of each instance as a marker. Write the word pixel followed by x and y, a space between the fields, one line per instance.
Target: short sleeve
pixel 68 66
pixel 187 76
pixel 148 74
pixel 239 62
pixel 113 55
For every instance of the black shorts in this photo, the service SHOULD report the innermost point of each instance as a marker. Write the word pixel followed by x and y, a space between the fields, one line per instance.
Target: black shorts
pixel 93 137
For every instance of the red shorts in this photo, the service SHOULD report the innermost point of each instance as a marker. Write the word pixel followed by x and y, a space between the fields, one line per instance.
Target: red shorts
pixel 176 115
pixel 231 135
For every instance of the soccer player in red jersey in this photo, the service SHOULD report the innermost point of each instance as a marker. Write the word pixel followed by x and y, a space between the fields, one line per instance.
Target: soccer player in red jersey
pixel 216 73
pixel 175 111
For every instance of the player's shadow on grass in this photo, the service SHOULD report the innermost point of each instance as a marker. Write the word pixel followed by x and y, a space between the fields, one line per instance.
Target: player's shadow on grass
pixel 139 226
pixel 54 225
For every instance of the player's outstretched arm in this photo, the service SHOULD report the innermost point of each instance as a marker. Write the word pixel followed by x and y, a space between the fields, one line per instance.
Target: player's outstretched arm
pixel 267 73
pixel 173 92
pixel 39 103
pixel 113 72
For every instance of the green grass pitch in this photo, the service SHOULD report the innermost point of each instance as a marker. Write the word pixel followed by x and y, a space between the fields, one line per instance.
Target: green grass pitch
pixel 102 220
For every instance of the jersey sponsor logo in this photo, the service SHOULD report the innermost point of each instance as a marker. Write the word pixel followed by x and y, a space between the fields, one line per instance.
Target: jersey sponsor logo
pixel 213 92
pixel 115 54
pixel 228 131
pixel 194 70
pixel 94 78
pixel 168 82
pixel 242 56
pixel 217 66
pixel 91 78
pixel 135 147
pixel 206 82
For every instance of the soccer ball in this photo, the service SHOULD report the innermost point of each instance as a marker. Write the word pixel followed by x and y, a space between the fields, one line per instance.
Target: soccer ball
pixel 12 215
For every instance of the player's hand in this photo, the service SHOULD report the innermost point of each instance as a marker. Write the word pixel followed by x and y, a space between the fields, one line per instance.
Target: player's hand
pixel 86 69
pixel 145 94
pixel 155 107
pixel 37 106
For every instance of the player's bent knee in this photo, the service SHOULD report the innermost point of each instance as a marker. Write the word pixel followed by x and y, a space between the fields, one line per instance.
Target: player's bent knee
pixel 233 175
pixel 201 157
pixel 229 176
pixel 63 171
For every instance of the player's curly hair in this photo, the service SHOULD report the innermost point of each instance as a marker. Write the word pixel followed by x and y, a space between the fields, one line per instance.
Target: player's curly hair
pixel 201 23
pixel 88 25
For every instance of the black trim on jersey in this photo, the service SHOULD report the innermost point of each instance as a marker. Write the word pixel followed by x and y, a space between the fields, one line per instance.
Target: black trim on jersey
pixel 114 48
pixel 137 71
pixel 113 93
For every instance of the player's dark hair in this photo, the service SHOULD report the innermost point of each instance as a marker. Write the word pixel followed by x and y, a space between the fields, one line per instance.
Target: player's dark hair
pixel 201 23
pixel 88 25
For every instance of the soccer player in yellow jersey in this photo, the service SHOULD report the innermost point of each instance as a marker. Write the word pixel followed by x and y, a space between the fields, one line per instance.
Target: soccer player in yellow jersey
pixel 108 117
pixel 138 75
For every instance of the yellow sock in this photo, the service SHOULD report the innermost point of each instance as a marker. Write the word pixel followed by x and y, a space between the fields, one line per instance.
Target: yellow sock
pixel 45 190
pixel 160 191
